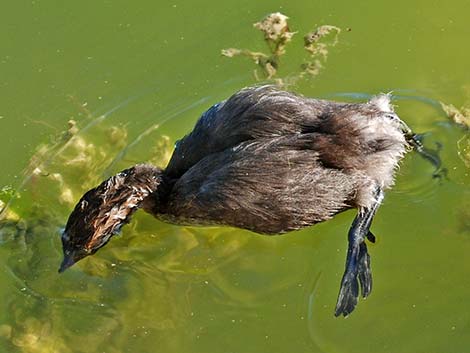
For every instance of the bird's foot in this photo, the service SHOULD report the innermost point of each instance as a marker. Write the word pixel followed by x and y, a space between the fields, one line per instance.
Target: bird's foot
pixel 357 273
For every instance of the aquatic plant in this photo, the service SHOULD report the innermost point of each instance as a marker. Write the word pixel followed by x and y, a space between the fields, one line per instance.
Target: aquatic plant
pixel 277 35
pixel 461 117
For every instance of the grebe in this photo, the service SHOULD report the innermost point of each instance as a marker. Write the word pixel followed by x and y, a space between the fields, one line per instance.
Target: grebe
pixel 265 160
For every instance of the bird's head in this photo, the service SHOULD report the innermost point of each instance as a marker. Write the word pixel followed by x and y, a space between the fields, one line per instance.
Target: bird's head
pixel 102 211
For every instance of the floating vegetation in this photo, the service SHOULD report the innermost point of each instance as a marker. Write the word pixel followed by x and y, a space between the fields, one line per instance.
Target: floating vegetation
pixel 277 35
pixel 460 116
pixel 318 49
pixel 6 194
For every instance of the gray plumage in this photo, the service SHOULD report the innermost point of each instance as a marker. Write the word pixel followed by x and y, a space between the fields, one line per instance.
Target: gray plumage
pixel 265 160
pixel 271 161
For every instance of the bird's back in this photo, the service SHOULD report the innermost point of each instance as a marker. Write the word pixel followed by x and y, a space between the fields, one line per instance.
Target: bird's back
pixel 271 161
pixel 251 113
pixel 269 186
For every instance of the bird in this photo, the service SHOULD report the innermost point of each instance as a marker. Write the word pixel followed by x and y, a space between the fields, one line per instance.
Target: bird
pixel 266 160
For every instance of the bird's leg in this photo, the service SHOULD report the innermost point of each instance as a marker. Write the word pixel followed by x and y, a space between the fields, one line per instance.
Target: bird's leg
pixel 358 260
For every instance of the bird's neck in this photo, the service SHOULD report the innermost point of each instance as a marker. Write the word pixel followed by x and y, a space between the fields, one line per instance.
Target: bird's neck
pixel 139 185
pixel 143 182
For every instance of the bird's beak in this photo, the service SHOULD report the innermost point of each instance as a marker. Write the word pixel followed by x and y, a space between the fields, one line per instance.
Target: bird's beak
pixel 67 261
pixel 406 129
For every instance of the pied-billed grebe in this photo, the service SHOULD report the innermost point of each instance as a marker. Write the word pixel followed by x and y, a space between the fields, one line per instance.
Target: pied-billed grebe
pixel 265 160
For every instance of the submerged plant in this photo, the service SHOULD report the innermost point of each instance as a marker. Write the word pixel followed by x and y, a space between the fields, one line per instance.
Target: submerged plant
pixel 318 49
pixel 277 35
pixel 463 146
pixel 31 215
pixel 461 117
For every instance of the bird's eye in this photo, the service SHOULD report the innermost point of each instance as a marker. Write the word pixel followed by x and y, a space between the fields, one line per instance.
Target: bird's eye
pixel 392 116
pixel 177 143
pixel 83 205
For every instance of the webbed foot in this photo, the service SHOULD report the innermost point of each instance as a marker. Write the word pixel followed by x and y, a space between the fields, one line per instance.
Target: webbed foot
pixel 357 273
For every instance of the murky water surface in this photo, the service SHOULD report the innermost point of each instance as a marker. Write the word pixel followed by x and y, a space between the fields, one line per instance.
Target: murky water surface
pixel 134 78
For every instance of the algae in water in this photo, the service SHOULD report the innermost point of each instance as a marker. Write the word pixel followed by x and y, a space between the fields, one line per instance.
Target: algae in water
pixel 461 117
pixel 277 35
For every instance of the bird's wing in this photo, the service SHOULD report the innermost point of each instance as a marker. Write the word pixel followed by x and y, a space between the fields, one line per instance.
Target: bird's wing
pixel 268 186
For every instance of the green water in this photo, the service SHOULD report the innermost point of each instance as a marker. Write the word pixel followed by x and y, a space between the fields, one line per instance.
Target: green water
pixel 117 70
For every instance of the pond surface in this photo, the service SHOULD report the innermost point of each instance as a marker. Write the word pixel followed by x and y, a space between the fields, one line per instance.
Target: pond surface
pixel 134 79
